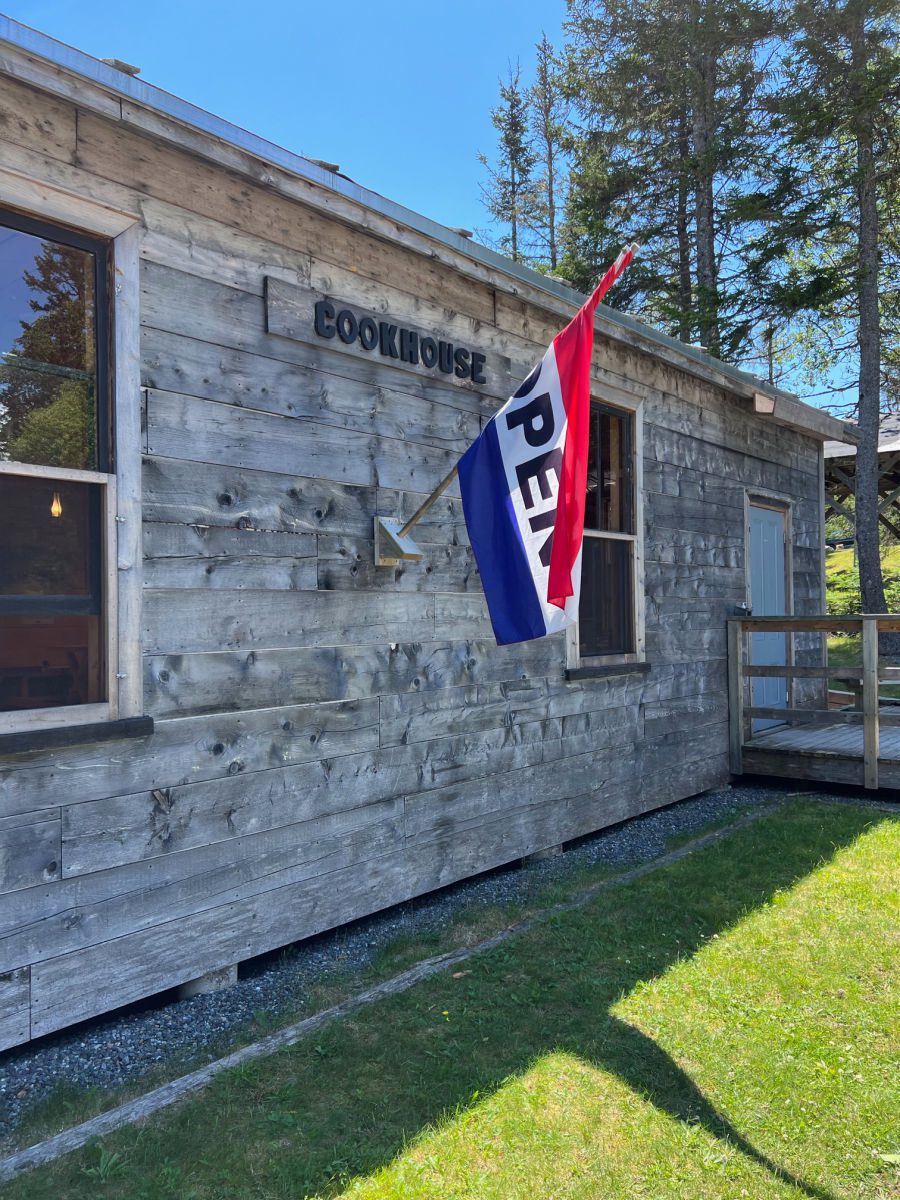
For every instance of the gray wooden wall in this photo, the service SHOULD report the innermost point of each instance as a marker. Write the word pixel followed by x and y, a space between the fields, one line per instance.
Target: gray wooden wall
pixel 331 738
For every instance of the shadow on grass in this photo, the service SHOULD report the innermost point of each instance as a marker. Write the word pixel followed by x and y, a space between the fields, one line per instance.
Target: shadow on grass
pixel 351 1099
pixel 651 1073
pixel 539 1010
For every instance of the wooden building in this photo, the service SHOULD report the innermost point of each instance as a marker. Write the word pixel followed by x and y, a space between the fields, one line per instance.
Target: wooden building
pixel 222 727
pixel 840 477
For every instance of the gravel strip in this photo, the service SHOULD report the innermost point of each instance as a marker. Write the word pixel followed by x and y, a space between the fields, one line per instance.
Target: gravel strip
pixel 119 1048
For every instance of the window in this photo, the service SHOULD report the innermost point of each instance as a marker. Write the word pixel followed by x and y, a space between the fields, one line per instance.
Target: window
pixel 609 629
pixel 57 489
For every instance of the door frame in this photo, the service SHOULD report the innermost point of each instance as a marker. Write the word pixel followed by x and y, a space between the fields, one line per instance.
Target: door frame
pixel 762 498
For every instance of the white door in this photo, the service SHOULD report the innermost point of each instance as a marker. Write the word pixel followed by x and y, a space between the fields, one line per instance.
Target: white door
pixel 767 599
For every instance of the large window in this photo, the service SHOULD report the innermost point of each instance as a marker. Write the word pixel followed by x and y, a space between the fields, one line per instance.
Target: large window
pixel 57 491
pixel 607 622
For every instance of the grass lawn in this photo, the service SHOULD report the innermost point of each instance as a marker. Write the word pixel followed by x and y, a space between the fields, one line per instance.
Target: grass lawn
pixel 846 651
pixel 720 1028
pixel 842 594
pixel 842 579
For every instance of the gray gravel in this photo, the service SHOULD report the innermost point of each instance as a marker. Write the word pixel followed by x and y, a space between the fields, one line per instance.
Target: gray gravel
pixel 122 1047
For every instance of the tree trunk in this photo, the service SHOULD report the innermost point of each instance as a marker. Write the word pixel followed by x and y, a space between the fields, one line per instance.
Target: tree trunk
pixel 514 214
pixel 551 203
pixel 704 64
pixel 871 581
pixel 685 297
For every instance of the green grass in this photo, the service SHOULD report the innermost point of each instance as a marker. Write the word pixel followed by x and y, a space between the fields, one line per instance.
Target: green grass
pixel 842 580
pixel 719 1028
pixel 842 599
pixel 846 651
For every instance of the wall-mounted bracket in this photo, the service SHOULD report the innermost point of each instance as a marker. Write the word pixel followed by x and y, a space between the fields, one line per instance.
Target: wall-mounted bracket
pixel 391 547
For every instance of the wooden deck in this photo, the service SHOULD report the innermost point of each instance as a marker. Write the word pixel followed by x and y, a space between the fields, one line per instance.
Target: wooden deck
pixel 858 745
pixel 823 751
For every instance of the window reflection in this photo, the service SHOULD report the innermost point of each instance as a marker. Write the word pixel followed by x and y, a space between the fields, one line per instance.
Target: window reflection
pixel 48 357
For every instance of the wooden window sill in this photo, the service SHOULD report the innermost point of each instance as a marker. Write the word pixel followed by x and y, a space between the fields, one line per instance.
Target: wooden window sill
pixel 74 735
pixel 606 670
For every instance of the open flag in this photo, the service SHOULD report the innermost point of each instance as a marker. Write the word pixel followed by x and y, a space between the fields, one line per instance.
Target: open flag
pixel 524 485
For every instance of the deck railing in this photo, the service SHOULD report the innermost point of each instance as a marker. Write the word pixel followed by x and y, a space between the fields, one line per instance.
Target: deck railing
pixel 812 705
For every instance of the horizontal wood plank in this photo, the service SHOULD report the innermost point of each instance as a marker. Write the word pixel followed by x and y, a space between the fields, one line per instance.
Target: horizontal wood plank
pixel 181 621
pixel 182 684
pixel 180 491
pixel 348 564
pixel 88 910
pixel 171 540
pixel 36 121
pixel 188 750
pixel 186 427
pixel 251 573
pixel 359 394
pixel 79 984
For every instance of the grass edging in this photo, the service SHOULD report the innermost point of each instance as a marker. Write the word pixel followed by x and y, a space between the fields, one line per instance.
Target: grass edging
pixel 154 1101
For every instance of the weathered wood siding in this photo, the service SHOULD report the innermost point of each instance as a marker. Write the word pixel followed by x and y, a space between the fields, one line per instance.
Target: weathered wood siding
pixel 331 738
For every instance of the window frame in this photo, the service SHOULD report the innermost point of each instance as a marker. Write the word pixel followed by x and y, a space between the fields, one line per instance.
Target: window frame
pixel 54 212
pixel 630 406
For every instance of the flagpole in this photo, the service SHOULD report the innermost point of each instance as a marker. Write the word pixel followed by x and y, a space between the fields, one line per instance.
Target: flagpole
pixel 396 546
pixel 426 504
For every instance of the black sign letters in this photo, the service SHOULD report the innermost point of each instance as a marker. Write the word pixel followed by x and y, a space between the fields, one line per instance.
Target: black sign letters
pixel 392 341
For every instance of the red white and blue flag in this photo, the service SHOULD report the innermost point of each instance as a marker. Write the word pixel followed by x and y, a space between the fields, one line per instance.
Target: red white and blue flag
pixel 524 486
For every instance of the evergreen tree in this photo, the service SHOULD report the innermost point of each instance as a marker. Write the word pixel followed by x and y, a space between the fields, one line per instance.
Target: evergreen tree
pixel 668 102
pixel 50 367
pixel 507 193
pixel 828 256
pixel 548 111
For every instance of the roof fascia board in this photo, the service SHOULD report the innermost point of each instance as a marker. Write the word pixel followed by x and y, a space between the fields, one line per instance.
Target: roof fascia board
pixel 119 96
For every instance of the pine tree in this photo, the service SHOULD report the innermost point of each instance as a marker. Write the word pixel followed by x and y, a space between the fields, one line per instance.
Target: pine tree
pixel 667 96
pixel 828 256
pixel 507 193
pixel 50 366
pixel 548 111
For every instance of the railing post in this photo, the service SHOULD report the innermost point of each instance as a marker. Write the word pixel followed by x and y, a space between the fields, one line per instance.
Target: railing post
pixel 736 696
pixel 870 701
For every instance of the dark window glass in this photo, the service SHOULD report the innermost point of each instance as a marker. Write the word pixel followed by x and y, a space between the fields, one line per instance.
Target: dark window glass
pixel 50 661
pixel 592 504
pixel 610 489
pixel 50 370
pixel 51 624
pixel 605 620
pixel 49 537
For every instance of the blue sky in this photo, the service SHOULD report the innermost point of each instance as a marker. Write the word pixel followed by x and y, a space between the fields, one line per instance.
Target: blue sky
pixel 398 93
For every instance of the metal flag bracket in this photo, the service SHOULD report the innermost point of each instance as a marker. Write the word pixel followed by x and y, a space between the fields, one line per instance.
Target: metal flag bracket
pixel 393 545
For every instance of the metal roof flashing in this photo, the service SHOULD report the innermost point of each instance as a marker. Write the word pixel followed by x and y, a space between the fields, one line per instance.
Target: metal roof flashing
pixel 122 86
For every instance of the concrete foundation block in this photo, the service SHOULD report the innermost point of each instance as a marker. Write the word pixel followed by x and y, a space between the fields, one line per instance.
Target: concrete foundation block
pixel 213 981
pixel 540 855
